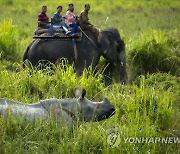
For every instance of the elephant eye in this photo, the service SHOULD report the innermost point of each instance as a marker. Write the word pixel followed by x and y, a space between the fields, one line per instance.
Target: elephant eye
pixel 110 38
pixel 118 41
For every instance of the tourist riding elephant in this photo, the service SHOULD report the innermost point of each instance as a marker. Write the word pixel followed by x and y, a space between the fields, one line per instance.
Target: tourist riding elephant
pixel 86 52
pixel 68 110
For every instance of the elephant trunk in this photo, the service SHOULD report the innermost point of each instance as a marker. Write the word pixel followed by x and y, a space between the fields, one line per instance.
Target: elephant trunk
pixel 121 71
pixel 121 64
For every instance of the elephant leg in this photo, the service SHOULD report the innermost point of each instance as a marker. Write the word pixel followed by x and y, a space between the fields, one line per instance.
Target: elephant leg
pixel 79 70
pixel 81 65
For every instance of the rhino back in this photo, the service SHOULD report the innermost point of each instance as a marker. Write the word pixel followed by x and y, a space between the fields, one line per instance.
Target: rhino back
pixel 4 104
pixel 19 110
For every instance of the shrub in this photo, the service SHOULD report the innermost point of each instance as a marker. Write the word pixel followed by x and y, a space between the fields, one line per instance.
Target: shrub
pixel 35 84
pixel 161 81
pixel 8 40
pixel 164 96
pixel 6 2
pixel 155 51
pixel 2 134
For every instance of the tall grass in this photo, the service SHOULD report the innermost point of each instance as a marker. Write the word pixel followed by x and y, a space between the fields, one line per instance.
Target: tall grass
pixel 155 51
pixel 149 107
pixel 8 40
pixel 142 110
pixel 6 2
pixel 42 84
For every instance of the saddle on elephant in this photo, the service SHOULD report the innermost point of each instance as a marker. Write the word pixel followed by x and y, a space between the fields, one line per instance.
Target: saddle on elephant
pixel 59 33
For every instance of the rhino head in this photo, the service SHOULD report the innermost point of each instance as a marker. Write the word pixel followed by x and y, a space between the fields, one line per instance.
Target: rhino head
pixel 94 111
pixel 80 108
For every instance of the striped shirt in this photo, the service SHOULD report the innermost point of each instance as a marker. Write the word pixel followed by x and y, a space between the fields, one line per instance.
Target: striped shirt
pixel 43 18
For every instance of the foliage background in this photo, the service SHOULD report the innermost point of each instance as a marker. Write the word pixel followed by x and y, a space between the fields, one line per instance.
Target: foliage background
pixel 146 107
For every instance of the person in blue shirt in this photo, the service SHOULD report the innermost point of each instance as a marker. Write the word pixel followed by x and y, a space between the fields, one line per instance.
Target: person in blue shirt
pixel 57 20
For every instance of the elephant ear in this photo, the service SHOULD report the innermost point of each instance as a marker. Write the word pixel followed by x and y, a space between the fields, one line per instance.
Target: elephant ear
pixel 104 41
pixel 107 45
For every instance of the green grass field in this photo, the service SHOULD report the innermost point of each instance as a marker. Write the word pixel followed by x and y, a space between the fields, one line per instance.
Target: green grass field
pixel 147 107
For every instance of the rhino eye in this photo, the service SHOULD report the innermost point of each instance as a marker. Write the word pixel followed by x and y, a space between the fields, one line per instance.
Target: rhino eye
pixel 97 107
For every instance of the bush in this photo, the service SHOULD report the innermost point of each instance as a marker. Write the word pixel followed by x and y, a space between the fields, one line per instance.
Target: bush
pixel 163 82
pixel 8 40
pixel 166 98
pixel 2 134
pixel 153 52
pixel 6 2
pixel 35 84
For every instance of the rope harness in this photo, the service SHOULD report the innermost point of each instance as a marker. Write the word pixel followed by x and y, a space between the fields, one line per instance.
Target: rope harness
pixel 75 50
pixel 89 38
pixel 75 47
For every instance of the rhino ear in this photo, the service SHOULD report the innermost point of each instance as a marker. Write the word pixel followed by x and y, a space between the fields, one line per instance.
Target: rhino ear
pixel 83 93
pixel 77 92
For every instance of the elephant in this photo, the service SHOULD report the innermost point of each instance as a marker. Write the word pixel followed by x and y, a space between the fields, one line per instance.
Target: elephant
pixel 84 53
pixel 69 110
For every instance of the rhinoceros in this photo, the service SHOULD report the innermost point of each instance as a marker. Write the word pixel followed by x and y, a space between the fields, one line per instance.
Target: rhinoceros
pixel 69 110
